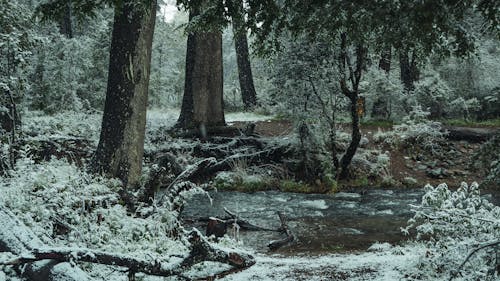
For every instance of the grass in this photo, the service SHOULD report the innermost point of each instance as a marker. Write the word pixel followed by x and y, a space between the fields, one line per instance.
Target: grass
pixel 472 123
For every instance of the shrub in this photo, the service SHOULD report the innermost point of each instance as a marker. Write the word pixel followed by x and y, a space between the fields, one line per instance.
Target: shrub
pixel 450 224
pixel 416 132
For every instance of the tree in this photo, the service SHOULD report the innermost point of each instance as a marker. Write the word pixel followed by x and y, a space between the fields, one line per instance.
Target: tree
pixel 429 26
pixel 380 107
pixel 202 102
pixel 408 65
pixel 244 68
pixel 121 144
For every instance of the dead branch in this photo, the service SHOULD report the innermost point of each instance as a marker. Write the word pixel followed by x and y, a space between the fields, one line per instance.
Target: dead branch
pixel 486 245
pixel 244 224
pixel 201 250
pixel 290 238
pixel 17 239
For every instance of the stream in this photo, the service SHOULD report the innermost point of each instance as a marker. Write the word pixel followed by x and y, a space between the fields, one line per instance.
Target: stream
pixel 322 223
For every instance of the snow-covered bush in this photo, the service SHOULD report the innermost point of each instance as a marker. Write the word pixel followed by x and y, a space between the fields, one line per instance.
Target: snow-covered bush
pixel 383 92
pixel 488 158
pixel 450 224
pixel 416 132
pixel 67 207
pixel 432 93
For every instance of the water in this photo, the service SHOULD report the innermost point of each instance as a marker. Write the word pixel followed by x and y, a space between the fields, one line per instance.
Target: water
pixel 321 223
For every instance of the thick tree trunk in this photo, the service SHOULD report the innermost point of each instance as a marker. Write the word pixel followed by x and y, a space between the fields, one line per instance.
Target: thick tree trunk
pixel 409 69
pixel 202 103
pixel 121 145
pixel 243 59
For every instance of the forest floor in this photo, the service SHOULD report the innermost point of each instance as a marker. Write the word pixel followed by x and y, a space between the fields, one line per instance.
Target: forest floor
pixel 74 136
pixel 403 163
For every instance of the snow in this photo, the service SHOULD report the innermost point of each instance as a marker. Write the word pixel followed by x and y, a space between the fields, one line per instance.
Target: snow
pixel 246 117
pixel 386 264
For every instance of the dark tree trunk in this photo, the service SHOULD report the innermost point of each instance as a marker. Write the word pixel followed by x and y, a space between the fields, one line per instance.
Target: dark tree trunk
pixel 409 69
pixel 380 109
pixel 121 145
pixel 243 59
pixel 352 94
pixel 202 103
pixel 65 25
pixel 385 59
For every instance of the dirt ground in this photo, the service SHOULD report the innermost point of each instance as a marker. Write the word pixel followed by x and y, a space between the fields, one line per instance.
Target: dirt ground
pixel 456 168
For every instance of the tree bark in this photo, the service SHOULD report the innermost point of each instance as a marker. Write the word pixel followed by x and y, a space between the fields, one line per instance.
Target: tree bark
pixel 65 24
pixel 409 69
pixel 121 145
pixel 247 88
pixel 380 109
pixel 202 103
pixel 353 95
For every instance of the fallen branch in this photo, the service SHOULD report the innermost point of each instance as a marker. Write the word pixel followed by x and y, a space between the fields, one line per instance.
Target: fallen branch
pixel 486 245
pixel 276 244
pixel 17 239
pixel 201 250
pixel 244 224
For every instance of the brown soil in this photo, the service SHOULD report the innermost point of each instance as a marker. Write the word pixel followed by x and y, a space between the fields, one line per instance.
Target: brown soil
pixel 403 165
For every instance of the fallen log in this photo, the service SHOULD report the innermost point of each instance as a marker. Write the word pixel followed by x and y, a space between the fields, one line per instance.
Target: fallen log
pixel 17 239
pixel 201 250
pixel 290 238
pixel 470 134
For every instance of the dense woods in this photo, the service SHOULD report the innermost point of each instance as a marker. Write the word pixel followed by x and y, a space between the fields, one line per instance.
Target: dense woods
pixel 119 118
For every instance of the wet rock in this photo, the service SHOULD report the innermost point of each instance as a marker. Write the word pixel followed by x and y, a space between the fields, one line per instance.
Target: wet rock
pixel 438 173
pixel 409 181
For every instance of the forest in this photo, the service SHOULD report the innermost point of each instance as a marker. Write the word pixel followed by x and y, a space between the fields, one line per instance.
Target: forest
pixel 249 140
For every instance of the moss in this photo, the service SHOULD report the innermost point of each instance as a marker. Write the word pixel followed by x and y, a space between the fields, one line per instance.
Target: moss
pixel 361 182
pixel 293 186
pixel 389 182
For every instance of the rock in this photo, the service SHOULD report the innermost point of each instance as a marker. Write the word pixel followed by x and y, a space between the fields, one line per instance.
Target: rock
pixel 437 173
pixel 422 167
pixel 363 142
pixel 410 182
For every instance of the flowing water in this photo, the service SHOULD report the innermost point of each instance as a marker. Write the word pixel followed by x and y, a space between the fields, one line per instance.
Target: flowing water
pixel 321 222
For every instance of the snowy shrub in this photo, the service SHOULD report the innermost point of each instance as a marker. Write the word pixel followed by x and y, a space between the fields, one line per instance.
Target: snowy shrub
pixel 65 206
pixel 488 158
pixel 65 124
pixel 416 132
pixel 432 93
pixel 382 92
pixel 450 224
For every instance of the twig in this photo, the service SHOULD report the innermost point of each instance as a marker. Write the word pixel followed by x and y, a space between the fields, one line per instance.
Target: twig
pixel 490 244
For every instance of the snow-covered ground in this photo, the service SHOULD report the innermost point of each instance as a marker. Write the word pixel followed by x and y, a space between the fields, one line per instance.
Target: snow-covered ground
pixel 66 207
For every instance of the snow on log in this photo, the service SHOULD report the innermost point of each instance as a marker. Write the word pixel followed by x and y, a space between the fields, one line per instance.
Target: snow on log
pixel 201 250
pixel 17 238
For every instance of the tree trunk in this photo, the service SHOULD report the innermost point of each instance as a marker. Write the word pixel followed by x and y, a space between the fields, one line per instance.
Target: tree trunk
pixel 409 69
pixel 202 103
pixel 353 95
pixel 380 109
pixel 244 68
pixel 65 25
pixel 121 145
